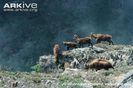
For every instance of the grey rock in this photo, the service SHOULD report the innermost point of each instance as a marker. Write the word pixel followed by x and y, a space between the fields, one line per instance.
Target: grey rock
pixel 127 81
pixel 118 55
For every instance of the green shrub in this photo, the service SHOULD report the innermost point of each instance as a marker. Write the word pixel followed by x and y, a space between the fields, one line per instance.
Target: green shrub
pixel 37 68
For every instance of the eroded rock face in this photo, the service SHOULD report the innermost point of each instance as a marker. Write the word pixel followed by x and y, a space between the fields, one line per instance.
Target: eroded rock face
pixel 118 55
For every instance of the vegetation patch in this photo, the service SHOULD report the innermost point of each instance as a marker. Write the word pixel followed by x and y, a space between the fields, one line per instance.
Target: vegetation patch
pixel 66 81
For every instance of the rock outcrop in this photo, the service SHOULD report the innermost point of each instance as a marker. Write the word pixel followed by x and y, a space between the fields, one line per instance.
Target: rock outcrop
pixel 118 55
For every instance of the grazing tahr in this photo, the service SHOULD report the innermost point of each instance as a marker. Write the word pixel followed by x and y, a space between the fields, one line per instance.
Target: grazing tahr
pixel 102 37
pixel 70 44
pixel 99 64
pixel 81 41
pixel 56 53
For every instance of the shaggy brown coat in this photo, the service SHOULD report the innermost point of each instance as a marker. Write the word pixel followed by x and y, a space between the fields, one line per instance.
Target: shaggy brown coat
pixel 56 53
pixel 102 37
pixel 70 45
pixel 100 64
pixel 81 41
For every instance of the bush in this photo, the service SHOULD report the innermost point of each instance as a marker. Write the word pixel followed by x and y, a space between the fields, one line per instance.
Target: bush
pixel 37 68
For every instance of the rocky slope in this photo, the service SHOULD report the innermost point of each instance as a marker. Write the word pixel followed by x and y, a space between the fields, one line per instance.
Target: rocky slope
pixel 121 56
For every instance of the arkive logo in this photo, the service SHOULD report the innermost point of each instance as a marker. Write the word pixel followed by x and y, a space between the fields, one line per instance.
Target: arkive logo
pixel 20 6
